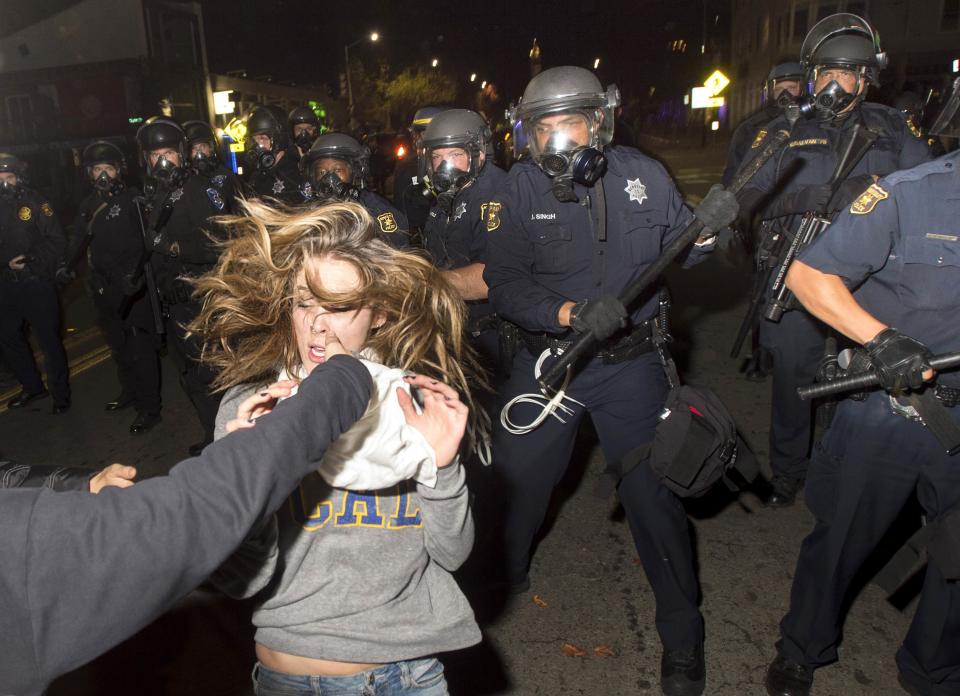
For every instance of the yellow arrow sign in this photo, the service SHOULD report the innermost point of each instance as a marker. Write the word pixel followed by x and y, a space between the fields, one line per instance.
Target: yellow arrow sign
pixel 716 83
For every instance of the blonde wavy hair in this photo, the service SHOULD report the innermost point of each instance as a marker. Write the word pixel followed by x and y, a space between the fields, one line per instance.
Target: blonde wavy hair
pixel 246 323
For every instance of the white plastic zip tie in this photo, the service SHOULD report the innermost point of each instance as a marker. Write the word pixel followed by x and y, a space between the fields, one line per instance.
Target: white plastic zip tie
pixel 549 407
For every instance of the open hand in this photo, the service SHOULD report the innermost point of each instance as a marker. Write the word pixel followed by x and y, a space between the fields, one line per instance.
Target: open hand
pixel 260 403
pixel 444 418
pixel 119 475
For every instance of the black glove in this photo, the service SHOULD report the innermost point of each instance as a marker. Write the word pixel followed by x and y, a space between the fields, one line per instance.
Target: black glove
pixel 848 192
pixel 718 209
pixel 809 199
pixel 130 283
pixel 602 316
pixel 898 360
pixel 63 277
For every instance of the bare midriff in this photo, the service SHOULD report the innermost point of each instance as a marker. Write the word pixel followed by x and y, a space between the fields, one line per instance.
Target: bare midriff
pixel 308 666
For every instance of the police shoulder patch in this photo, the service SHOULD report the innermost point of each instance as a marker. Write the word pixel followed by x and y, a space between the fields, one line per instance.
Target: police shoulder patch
pixel 46 209
pixel 868 200
pixel 216 200
pixel 25 213
pixel 388 223
pixel 761 134
pixel 490 213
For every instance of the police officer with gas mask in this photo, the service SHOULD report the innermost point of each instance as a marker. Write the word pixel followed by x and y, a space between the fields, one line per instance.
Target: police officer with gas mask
pixel 304 128
pixel 271 165
pixel 108 230
pixel 204 160
pixel 409 193
pixel 462 182
pixel 887 276
pixel 569 229
pixel 182 245
pixel 32 245
pixel 785 82
pixel 335 168
pixel 842 58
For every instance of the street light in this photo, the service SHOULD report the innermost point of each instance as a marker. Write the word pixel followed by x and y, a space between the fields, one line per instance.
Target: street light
pixel 483 85
pixel 434 63
pixel 373 37
pixel 596 63
pixel 473 76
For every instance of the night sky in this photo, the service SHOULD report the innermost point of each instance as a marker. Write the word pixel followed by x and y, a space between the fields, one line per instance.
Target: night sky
pixel 303 41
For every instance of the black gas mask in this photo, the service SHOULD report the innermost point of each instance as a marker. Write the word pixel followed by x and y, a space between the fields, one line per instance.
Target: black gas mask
pixel 9 190
pixel 167 173
pixel 305 139
pixel 831 100
pixel 446 182
pixel 568 164
pixel 261 158
pixel 330 185
pixel 107 186
pixel 203 163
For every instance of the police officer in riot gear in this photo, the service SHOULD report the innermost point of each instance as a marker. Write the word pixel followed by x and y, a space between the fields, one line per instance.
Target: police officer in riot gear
pixel 32 245
pixel 887 276
pixel 842 58
pixel 204 159
pixel 784 83
pixel 108 228
pixel 304 128
pixel 569 229
pixel 335 167
pixel 409 193
pixel 179 228
pixel 271 165
pixel 462 182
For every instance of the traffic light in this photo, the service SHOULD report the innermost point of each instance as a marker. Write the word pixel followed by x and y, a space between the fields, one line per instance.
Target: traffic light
pixel 343 84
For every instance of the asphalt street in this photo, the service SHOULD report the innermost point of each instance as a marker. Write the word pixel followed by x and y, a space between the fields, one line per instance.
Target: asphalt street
pixel 587 624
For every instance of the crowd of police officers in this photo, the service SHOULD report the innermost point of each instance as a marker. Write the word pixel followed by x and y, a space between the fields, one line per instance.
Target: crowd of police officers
pixel 541 254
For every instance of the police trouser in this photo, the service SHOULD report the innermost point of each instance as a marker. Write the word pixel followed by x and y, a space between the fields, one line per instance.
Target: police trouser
pixel 863 472
pixel 135 353
pixel 195 377
pixel 35 302
pixel 624 401
pixel 796 343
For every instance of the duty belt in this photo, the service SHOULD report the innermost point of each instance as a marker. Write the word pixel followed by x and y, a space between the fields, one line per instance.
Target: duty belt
pixel 634 344
pixel 488 322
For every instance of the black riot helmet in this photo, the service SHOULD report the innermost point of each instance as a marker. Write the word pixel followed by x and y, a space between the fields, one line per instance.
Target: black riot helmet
pixel 453 128
pixel 202 132
pixel 779 73
pixel 269 121
pixel 340 147
pixel 102 152
pixel 305 115
pixel 574 93
pixel 422 119
pixel 843 41
pixel 14 165
pixel 163 134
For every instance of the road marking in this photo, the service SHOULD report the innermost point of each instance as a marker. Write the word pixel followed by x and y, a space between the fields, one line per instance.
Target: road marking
pixel 77 367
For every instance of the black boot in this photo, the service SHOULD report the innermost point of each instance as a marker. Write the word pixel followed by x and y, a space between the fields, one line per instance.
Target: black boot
pixel 683 672
pixel 788 678
pixel 784 491
pixel 143 422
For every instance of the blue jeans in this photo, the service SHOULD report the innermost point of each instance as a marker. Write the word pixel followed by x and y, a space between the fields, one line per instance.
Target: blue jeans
pixel 415 677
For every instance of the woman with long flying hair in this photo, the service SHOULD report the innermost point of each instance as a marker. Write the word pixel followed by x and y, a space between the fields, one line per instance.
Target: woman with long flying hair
pixel 355 571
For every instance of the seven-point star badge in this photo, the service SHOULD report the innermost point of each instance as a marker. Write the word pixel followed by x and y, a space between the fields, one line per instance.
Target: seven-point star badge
pixel 636 190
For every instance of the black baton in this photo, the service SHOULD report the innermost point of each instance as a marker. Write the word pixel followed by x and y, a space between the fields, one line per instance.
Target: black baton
pixel 869 379
pixel 585 342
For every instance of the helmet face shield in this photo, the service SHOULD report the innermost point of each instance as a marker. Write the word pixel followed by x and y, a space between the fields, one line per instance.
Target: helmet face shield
pixel 947 124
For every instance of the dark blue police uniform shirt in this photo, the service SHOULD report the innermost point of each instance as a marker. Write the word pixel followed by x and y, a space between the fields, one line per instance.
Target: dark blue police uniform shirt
pixel 389 222
pixel 460 238
pixel 812 151
pixel 898 248
pixel 542 253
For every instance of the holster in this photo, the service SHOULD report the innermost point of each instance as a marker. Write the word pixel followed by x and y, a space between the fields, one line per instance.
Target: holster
pixel 508 335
